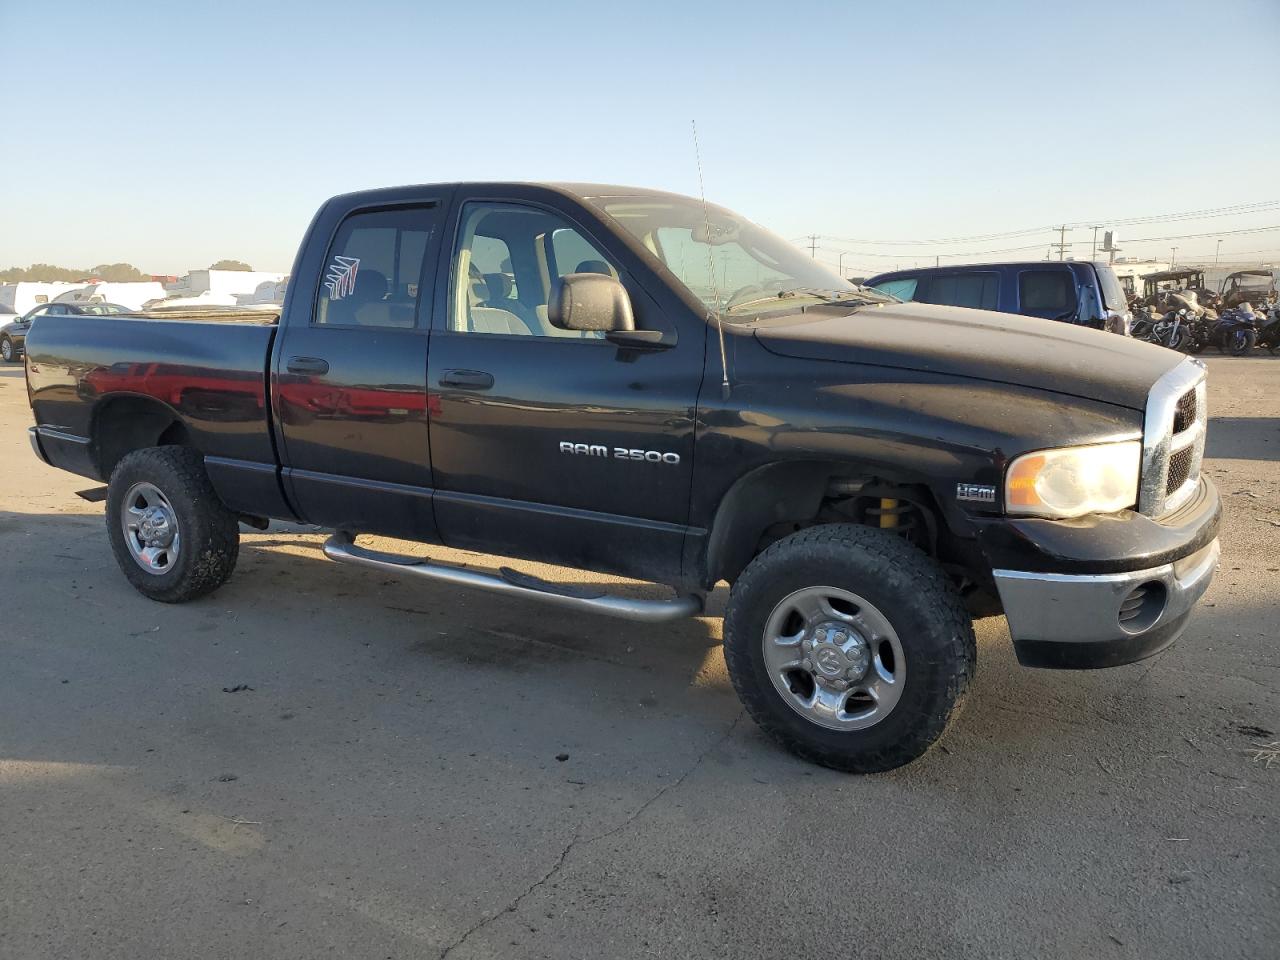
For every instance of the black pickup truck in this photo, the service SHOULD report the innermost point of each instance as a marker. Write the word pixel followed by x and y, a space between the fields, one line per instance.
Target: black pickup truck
pixel 637 383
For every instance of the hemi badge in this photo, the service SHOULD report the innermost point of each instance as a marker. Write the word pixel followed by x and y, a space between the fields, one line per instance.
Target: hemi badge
pixel 975 492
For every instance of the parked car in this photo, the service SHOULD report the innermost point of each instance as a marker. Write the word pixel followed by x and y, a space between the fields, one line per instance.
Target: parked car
pixel 637 383
pixel 1075 291
pixel 14 333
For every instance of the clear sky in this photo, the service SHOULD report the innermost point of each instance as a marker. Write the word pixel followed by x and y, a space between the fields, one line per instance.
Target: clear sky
pixel 170 135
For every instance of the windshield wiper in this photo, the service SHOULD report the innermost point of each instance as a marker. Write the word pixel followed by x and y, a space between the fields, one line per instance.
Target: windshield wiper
pixel 767 298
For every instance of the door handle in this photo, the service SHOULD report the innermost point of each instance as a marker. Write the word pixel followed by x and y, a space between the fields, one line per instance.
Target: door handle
pixel 467 379
pixel 307 365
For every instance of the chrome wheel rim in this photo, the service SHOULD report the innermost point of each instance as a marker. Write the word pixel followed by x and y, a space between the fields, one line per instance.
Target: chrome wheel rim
pixel 150 528
pixel 834 658
pixel 6 349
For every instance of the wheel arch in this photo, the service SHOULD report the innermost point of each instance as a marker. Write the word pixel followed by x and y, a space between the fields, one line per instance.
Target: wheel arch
pixel 779 498
pixel 122 423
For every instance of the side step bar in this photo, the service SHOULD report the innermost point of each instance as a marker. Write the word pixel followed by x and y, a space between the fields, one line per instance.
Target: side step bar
pixel 342 548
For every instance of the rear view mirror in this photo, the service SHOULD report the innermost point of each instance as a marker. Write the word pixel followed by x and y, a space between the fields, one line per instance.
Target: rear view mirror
pixel 590 301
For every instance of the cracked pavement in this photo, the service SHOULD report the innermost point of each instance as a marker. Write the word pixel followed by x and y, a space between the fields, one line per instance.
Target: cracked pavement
pixel 390 785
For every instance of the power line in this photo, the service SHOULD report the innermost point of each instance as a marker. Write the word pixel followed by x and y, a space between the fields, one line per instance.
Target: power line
pixel 1240 209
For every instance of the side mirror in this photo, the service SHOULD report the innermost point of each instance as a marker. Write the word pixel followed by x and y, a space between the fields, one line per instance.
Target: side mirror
pixel 590 301
pixel 1087 312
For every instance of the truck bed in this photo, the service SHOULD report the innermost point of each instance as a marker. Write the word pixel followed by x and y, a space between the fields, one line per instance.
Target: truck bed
pixel 209 370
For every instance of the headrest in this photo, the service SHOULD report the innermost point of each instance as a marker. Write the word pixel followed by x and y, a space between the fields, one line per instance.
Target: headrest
pixel 370 286
pixel 594 266
pixel 498 286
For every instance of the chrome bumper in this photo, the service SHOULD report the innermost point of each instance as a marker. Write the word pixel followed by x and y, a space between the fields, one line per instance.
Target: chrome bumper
pixel 1102 620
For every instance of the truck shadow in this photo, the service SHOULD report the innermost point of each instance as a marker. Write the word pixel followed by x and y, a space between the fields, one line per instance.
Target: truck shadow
pixel 365 632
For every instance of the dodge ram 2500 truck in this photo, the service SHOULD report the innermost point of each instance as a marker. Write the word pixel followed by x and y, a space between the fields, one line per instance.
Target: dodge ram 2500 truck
pixel 637 383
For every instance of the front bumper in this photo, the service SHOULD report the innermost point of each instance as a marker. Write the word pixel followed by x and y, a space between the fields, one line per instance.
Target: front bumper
pixel 1084 621
pixel 34 436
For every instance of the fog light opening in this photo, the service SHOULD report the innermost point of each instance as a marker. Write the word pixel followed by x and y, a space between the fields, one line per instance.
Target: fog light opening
pixel 1142 607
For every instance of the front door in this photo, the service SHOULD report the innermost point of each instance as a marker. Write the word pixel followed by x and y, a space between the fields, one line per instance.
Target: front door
pixel 351 384
pixel 547 443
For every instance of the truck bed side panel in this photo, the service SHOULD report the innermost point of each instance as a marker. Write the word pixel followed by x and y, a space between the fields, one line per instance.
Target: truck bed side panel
pixel 211 376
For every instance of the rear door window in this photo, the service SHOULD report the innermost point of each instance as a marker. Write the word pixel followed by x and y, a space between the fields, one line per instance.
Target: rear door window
pixel 1047 293
pixel 980 291
pixel 374 268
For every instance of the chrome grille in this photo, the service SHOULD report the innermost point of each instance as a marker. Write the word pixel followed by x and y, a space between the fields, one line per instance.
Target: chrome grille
pixel 1179 470
pixel 1173 439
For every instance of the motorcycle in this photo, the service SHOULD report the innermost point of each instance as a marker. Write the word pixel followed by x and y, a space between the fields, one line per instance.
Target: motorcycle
pixel 1269 331
pixel 1171 330
pixel 1236 331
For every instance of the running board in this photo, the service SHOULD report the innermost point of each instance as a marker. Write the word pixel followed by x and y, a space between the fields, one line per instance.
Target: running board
pixel 342 548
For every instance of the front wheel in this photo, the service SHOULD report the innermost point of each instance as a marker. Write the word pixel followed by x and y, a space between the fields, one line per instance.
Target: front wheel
pixel 849 646
pixel 7 352
pixel 1241 342
pixel 173 539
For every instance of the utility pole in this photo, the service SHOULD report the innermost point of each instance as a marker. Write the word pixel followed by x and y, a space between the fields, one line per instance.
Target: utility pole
pixel 1217 250
pixel 813 245
pixel 1094 255
pixel 1173 257
pixel 1062 245
pixel 937 260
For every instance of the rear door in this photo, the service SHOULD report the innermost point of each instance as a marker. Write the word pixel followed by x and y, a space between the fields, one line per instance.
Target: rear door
pixel 554 444
pixel 350 374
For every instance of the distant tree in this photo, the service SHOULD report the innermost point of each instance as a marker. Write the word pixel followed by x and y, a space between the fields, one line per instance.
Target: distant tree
pixel 231 265
pixel 118 272
pixel 42 271
pixel 47 271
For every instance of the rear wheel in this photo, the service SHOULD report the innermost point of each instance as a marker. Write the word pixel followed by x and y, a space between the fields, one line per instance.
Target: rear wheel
pixel 173 538
pixel 849 646
pixel 7 352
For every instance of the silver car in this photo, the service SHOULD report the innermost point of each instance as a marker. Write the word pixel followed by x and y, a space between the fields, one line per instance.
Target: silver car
pixel 13 334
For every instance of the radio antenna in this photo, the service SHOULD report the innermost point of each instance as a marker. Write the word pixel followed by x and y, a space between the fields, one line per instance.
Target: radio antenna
pixel 711 267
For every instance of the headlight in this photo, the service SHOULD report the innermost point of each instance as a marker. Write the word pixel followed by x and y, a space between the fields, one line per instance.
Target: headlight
pixel 1073 481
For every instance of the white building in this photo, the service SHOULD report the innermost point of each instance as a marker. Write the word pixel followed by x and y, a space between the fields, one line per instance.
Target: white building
pixel 228 282
pixel 25 294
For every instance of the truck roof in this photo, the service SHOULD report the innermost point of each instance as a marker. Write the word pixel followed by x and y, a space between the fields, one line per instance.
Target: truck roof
pixel 580 190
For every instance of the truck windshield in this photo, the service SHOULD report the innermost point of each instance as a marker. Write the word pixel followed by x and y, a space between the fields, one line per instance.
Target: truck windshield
pixel 1113 296
pixel 729 263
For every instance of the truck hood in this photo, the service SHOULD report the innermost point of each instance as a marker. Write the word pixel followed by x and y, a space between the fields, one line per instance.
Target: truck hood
pixel 956 341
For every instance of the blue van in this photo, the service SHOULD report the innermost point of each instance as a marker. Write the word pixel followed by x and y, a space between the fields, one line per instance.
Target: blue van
pixel 1073 291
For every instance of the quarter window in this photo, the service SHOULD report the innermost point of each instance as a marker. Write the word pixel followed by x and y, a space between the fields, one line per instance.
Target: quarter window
pixel 903 288
pixel 374 269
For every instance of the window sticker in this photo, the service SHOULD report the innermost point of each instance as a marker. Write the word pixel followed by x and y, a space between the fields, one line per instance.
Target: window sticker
pixel 341 278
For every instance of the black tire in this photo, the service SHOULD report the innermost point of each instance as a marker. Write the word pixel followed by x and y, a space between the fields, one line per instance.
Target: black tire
pixel 209 533
pixel 8 353
pixel 908 589
pixel 1242 342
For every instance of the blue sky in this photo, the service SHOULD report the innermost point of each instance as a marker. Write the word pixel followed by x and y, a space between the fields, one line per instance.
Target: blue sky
pixel 171 135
